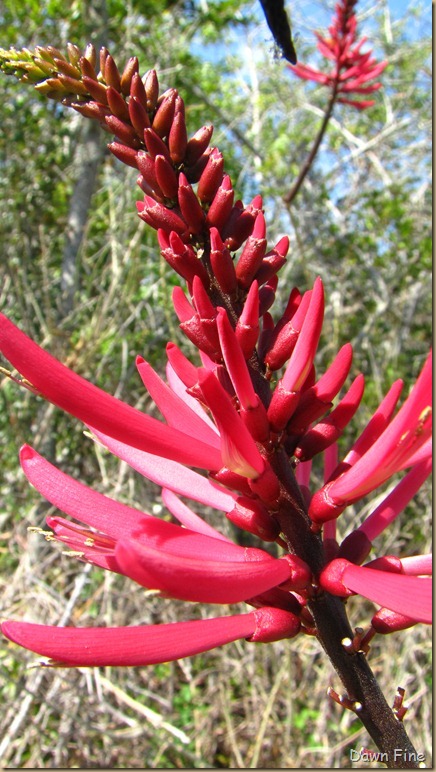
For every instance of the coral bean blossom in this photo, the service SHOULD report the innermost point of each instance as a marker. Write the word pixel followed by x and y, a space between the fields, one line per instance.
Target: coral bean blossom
pixel 352 70
pixel 239 430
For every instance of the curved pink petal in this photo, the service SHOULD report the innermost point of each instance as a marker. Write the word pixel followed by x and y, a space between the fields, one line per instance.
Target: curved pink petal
pixel 142 645
pixel 199 579
pixel 182 542
pixel 175 410
pixel 180 388
pixel 409 595
pixel 170 474
pixel 302 357
pixel 95 407
pixel 418 564
pixel 235 361
pixel 77 500
pixel 238 449
pixel 406 433
pixel 187 517
pixel 396 500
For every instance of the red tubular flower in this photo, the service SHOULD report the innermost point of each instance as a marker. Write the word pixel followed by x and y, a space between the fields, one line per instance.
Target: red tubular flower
pixel 390 590
pixel 396 446
pixel 95 407
pixel 353 70
pixel 152 644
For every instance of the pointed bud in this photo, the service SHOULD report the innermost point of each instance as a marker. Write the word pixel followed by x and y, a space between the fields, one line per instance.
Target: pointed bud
pixel 138 116
pixel 166 177
pixel 240 224
pixel 318 399
pixel 221 205
pixel 330 429
pixel 273 261
pixel 164 116
pixel 190 206
pixel 302 357
pixel 117 104
pixel 178 138
pixel 111 74
pixel 127 155
pixel 247 327
pixel 123 131
pixel 222 263
pixel 211 177
pixel 93 110
pixel 161 216
pixel 88 71
pixel 198 144
pixel 155 145
pixel 131 68
pixel 95 89
pixel 137 90
pixel 151 86
pixel 183 259
pixel 252 253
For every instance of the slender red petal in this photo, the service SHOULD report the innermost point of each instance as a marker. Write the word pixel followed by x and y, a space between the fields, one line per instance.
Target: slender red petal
pixel 170 474
pixel 142 645
pixel 95 407
pixel 198 579
pixel 410 595
pixel 238 449
pixel 77 500
pixel 173 408
pixel 396 500
pixel 187 517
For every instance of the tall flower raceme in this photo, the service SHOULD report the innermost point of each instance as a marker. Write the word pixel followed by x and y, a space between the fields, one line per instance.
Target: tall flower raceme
pixel 352 70
pixel 251 418
pixel 353 73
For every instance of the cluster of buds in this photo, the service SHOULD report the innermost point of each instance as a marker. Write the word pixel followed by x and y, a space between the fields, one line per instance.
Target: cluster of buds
pixel 252 416
pixel 352 70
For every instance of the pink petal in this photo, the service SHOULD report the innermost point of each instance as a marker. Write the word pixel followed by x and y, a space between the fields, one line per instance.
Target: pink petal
pixel 182 542
pixel 187 517
pixel 235 362
pixel 173 408
pixel 199 579
pixel 409 595
pixel 238 449
pixel 144 645
pixel 418 564
pixel 170 474
pixel 77 500
pixel 396 500
pixel 95 407
pixel 180 388
pixel 303 354
pixel 401 438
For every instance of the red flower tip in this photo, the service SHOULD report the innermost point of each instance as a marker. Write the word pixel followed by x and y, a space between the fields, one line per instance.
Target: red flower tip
pixel 274 624
pixel 252 516
pixel 386 621
pixel 331 578
pixel 301 575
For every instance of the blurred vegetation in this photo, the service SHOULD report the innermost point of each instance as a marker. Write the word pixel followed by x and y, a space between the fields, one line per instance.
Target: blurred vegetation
pixel 361 221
